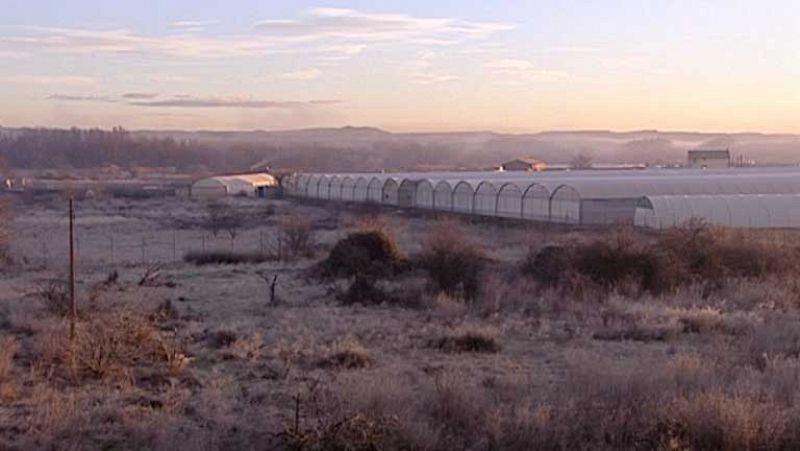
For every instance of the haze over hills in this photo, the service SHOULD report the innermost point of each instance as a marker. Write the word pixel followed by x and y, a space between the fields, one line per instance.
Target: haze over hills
pixel 482 148
pixel 366 148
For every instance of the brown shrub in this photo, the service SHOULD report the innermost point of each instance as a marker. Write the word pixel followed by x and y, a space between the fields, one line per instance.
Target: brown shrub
pixel 694 254
pixel 347 354
pixel 371 254
pixel 452 260
pixel 112 346
pixel 201 258
pixel 296 236
pixel 55 297
pixel 468 339
pixel 8 388
pixel 548 265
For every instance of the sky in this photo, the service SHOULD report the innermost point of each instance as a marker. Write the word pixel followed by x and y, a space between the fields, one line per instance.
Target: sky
pixel 444 65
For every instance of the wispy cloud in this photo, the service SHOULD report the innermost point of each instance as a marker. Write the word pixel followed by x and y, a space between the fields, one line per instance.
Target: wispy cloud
pixel 62 80
pixel 139 95
pixel 434 78
pixel 80 98
pixel 228 102
pixel 351 24
pixel 323 32
pixel 188 101
pixel 520 70
pixel 303 75
pixel 124 41
pixel 423 71
pixel 192 25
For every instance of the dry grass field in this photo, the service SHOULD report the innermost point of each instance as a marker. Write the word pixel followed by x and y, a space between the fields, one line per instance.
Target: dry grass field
pixel 388 330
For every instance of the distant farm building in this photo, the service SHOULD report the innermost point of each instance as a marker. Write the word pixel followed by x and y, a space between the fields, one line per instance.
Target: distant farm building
pixel 709 159
pixel 250 185
pixel 523 164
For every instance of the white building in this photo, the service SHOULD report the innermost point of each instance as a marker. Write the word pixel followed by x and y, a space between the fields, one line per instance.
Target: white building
pixel 250 185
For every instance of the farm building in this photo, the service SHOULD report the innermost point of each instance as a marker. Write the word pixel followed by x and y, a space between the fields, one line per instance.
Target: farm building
pixel 523 164
pixel 578 197
pixel 251 185
pixel 709 159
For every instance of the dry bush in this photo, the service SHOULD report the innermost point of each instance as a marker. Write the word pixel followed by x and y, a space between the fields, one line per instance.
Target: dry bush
pixel 347 354
pixel 201 258
pixel 547 265
pixel 638 332
pixel 371 253
pixel 366 257
pixel 468 338
pixel 693 254
pixel 296 236
pixel 112 346
pixel 55 297
pixel 453 260
pixel 246 347
pixel 8 388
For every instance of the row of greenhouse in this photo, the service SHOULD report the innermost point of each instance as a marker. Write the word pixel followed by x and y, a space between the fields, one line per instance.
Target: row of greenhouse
pixel 658 198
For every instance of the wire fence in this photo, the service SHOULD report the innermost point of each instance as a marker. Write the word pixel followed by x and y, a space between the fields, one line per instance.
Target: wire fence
pixel 51 250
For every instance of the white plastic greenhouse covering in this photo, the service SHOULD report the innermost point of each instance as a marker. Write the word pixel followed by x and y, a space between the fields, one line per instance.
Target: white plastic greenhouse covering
pixel 747 211
pixel 232 185
pixel 575 197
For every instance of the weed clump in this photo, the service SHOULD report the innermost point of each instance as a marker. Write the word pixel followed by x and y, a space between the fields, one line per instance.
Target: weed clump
pixel 692 254
pixel 348 354
pixel 468 339
pixel 368 253
pixel 201 258
pixel 365 257
pixel 453 261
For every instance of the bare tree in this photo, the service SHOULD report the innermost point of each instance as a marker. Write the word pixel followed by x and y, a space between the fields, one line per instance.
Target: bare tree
pixel 295 236
pixel 581 161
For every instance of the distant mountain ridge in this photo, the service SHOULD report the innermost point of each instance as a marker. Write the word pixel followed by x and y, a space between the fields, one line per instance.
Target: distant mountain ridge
pixel 369 149
pixel 557 146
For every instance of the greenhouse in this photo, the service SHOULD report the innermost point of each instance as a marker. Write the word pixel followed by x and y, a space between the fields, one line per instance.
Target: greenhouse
pixel 747 211
pixel 252 185
pixel 585 197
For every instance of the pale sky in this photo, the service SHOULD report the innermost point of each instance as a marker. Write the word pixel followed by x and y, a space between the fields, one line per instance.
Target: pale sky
pixel 420 65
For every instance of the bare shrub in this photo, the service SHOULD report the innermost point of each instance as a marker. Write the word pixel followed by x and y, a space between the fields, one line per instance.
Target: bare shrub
pixel 347 354
pixel 318 423
pixel 548 265
pixel 452 260
pixel 366 257
pixel 638 332
pixel 468 339
pixel 693 254
pixel 296 236
pixel 8 388
pixel 112 346
pixel 371 254
pixel 201 258
pixel 222 339
pixel 55 297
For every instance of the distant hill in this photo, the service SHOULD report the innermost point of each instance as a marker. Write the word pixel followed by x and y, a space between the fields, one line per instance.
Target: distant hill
pixel 371 149
pixel 476 149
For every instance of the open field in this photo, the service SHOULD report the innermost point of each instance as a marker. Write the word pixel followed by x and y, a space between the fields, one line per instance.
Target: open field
pixel 482 335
